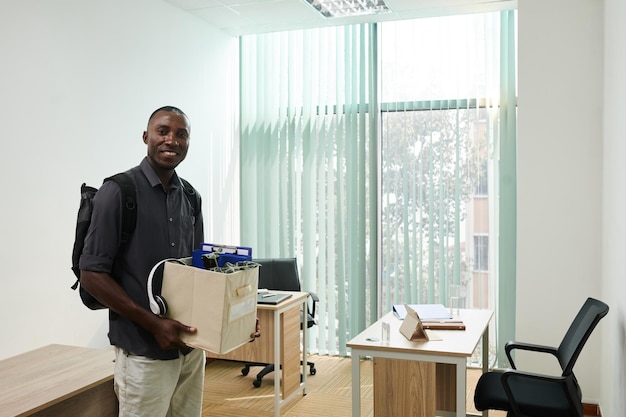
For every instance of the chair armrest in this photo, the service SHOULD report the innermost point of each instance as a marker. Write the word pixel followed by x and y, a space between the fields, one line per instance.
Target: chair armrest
pixel 512 345
pixel 316 300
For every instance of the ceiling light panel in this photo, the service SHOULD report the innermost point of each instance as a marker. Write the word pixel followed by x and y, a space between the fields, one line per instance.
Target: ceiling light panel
pixel 347 8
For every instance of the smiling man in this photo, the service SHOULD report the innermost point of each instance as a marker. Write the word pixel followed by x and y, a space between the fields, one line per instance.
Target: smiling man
pixel 156 374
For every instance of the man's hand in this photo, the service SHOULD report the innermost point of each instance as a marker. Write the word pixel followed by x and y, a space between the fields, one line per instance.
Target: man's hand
pixel 167 333
pixel 257 331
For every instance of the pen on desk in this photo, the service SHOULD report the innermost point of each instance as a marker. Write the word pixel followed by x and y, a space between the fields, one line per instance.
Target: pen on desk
pixel 267 295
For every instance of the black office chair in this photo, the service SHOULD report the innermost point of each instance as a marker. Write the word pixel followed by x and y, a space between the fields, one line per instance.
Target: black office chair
pixel 282 274
pixel 522 393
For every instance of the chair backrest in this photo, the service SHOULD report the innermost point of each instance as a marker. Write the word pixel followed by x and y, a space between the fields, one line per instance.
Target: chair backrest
pixel 579 331
pixel 279 274
pixel 282 274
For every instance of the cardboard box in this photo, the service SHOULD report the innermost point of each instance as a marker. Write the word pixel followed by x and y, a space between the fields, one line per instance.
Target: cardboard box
pixel 222 306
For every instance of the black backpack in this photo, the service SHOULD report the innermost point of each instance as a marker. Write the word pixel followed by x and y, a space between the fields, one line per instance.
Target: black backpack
pixel 129 219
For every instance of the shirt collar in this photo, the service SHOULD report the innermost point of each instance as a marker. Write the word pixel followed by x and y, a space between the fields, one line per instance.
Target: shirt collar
pixel 152 177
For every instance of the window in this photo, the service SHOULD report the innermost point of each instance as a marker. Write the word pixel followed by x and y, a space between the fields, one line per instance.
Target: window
pixel 481 253
pixel 442 82
pixel 439 120
pixel 372 154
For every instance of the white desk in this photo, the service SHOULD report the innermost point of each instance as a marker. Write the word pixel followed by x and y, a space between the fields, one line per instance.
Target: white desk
pixel 454 348
pixel 279 344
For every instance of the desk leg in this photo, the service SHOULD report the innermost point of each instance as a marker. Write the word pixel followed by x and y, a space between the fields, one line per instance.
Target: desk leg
pixel 461 387
pixel 356 385
pixel 486 358
pixel 304 346
pixel 277 370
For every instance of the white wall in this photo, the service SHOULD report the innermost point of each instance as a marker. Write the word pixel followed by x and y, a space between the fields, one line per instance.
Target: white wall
pixel 560 176
pixel 614 209
pixel 78 80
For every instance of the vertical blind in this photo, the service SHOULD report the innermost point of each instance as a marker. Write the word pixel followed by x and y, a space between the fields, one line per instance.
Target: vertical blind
pixel 308 149
pixel 375 159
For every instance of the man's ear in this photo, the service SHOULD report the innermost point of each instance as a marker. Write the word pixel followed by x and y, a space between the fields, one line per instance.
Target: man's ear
pixel 145 137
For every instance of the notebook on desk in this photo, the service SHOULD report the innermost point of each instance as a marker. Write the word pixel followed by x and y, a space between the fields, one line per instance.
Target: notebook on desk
pixel 271 298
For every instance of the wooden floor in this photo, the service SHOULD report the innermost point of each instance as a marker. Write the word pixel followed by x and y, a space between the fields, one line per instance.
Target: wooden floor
pixel 227 393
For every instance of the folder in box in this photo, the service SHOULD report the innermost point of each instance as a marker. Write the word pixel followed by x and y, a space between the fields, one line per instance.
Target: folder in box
pixel 227 253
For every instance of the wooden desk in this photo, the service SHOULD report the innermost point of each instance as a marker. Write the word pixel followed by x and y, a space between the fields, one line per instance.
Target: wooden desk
pixel 416 378
pixel 281 347
pixel 58 380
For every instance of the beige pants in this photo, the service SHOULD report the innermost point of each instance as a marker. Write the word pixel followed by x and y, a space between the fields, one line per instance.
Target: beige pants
pixel 154 388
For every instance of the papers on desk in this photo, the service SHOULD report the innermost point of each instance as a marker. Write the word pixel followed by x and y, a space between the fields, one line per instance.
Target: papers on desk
pixel 426 312
pixel 432 316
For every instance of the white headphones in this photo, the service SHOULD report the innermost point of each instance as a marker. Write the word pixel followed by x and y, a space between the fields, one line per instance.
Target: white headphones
pixel 158 305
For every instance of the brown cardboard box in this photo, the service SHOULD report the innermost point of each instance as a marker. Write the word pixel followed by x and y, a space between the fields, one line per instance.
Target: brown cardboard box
pixel 222 306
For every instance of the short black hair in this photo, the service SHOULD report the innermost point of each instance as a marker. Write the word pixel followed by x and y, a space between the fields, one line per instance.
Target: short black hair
pixel 170 109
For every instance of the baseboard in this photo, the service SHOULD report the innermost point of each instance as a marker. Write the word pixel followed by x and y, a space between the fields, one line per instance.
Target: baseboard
pixel 592 410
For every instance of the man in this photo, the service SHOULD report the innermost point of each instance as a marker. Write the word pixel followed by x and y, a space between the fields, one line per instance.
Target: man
pixel 156 374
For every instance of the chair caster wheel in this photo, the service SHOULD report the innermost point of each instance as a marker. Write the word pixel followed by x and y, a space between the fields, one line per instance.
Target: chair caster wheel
pixel 245 371
pixel 256 383
pixel 313 371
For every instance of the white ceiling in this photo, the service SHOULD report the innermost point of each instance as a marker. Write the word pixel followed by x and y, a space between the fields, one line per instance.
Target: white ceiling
pixel 243 17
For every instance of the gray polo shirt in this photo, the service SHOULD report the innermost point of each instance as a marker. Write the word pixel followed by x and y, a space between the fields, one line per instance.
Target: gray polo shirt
pixel 166 227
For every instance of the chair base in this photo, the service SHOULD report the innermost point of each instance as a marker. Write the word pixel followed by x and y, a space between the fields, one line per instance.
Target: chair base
pixel 269 368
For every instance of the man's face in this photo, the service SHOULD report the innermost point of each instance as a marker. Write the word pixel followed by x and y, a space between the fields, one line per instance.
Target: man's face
pixel 167 138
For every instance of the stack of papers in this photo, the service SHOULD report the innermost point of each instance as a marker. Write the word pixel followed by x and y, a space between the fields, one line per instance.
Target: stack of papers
pixel 424 311
pixel 432 316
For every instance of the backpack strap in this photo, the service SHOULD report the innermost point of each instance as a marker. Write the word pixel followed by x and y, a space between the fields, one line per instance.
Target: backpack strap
pixel 191 195
pixel 129 204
